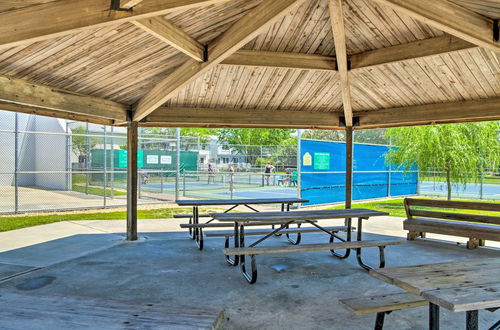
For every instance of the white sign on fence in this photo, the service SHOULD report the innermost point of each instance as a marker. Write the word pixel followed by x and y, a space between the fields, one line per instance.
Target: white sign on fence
pixel 166 160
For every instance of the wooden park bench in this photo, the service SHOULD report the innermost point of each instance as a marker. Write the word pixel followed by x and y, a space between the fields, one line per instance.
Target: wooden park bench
pixel 382 305
pixel 477 228
pixel 256 250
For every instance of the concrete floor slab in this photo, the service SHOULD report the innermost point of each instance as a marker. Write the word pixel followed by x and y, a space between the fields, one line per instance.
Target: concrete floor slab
pixel 298 291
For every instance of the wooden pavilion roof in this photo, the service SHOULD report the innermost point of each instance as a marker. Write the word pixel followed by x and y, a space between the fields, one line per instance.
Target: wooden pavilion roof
pixel 252 63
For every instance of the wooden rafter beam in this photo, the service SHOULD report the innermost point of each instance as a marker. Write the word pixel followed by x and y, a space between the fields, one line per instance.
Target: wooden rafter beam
pixel 58 18
pixel 427 47
pixel 479 110
pixel 337 22
pixel 240 118
pixel 240 33
pixel 450 18
pixel 172 35
pixel 282 60
pixel 22 96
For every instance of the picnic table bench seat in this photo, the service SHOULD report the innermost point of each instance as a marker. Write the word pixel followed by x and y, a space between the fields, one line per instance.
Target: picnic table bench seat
pixel 189 216
pixel 474 226
pixel 252 251
pixel 310 247
pixel 286 231
pixel 382 305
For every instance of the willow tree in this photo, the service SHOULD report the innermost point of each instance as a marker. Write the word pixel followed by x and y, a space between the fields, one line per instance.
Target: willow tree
pixel 462 151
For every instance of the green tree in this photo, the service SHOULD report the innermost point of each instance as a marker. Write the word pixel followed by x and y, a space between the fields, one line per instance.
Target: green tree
pixel 461 151
pixel 81 144
pixel 240 138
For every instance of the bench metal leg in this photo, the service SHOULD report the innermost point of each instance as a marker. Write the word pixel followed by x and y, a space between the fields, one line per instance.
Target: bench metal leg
pixel 250 277
pixel 199 239
pixel 348 239
pixel 433 317
pixel 190 230
pixel 381 249
pixel 379 321
pixel 471 320
pixel 495 326
pixel 282 210
pixel 291 240
pixel 236 236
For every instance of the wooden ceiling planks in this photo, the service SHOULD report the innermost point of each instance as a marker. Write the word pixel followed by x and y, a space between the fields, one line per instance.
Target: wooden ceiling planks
pixel 305 30
pixel 262 88
pixel 463 75
pixel 370 26
pixel 121 62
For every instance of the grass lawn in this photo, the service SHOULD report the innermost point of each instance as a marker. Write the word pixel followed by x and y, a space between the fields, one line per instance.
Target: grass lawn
pixel 96 190
pixel 486 179
pixel 395 207
pixel 21 221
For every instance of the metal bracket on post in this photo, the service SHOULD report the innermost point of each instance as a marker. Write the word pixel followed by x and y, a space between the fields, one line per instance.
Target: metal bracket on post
pixel 115 5
pixel 496 30
pixel 355 121
pixel 205 53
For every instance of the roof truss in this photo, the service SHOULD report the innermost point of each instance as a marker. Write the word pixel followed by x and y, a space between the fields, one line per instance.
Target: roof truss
pixel 338 30
pixel 229 42
pixel 449 17
pixel 58 18
pixel 22 96
pixel 224 117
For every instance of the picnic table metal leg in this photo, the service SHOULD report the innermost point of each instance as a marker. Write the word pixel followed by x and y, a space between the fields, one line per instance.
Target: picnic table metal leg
pixel 198 231
pixel 236 236
pixel 291 240
pixel 471 320
pixel 433 317
pixel 272 226
pixel 379 321
pixel 381 249
pixel 191 230
pixel 348 239
pixel 250 277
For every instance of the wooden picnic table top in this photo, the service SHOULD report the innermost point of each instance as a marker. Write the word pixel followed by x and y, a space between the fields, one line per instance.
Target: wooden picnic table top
pixel 457 286
pixel 297 215
pixel 206 202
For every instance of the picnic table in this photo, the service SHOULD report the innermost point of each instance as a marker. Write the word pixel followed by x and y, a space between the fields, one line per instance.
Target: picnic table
pixel 197 232
pixel 466 286
pixel 284 219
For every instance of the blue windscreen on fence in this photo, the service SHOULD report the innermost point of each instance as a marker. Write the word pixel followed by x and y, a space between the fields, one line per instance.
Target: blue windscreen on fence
pixel 323 173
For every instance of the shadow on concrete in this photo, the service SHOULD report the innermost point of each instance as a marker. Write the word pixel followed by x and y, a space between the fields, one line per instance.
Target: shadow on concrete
pixel 299 291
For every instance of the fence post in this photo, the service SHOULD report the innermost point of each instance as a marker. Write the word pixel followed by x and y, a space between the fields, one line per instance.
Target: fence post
pixel 16 164
pixel 112 164
pixel 105 163
pixel 389 181
pixel 481 181
pixel 299 163
pixel 184 183
pixel 87 160
pixel 161 182
pixel 178 160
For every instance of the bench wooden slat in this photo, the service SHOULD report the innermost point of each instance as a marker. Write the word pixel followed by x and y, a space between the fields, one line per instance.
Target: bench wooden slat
pixel 382 303
pixel 457 216
pixel 283 231
pixel 444 227
pixel 482 206
pixel 308 247
pixel 231 225
pixel 181 216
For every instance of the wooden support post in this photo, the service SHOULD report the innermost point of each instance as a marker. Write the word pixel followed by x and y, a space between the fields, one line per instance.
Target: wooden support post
pixel 348 167
pixel 132 144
